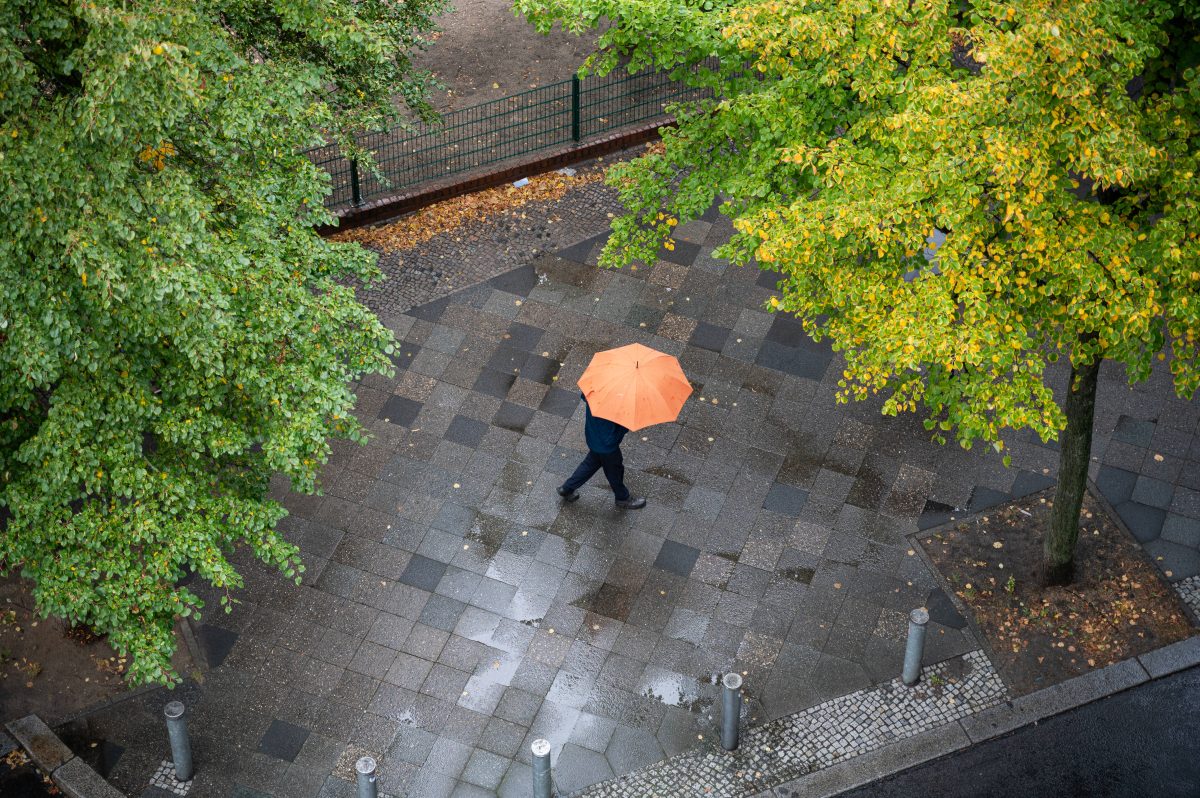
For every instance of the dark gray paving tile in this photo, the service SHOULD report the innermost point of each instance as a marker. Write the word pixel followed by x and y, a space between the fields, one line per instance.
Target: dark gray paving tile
pixel 466 431
pixel 1133 431
pixel 559 402
pixel 709 336
pixel 513 417
pixel 400 411
pixel 216 643
pixel 942 610
pixel 1153 492
pixel 785 499
pixel 676 558
pixel 579 767
pixel 494 383
pixel 1145 523
pixel 283 740
pixel 442 612
pixel 423 572
pixel 983 498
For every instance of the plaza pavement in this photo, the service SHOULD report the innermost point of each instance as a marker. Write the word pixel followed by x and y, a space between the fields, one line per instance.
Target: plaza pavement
pixel 454 609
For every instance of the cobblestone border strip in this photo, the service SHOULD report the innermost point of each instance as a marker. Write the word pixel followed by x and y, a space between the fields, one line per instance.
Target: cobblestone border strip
pixel 993 722
pixel 1189 591
pixel 821 736
pixel 72 775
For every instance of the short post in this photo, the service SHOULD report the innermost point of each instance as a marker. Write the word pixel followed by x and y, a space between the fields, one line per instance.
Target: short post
pixel 915 648
pixel 355 187
pixel 365 769
pixel 731 710
pixel 181 749
pixel 541 768
pixel 576 92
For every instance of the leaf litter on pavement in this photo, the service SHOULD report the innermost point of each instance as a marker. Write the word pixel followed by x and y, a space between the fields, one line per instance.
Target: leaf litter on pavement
pixel 449 215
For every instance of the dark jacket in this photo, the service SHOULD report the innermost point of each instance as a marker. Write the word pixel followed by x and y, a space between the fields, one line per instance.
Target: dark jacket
pixel 603 436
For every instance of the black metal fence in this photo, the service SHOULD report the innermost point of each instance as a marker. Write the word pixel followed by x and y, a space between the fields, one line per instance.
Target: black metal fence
pixel 498 130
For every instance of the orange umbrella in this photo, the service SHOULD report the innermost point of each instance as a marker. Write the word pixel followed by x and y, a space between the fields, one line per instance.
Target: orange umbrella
pixel 635 386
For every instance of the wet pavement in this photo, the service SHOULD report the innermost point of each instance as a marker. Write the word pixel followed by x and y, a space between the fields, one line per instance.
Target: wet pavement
pixel 454 609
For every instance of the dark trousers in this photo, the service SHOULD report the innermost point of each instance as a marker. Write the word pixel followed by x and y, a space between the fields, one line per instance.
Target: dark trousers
pixel 614 469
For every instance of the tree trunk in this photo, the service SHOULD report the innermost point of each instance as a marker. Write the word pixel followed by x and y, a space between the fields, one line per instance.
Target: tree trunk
pixel 1058 560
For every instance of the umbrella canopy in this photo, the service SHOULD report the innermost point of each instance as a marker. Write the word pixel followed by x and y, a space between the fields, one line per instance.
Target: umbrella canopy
pixel 635 386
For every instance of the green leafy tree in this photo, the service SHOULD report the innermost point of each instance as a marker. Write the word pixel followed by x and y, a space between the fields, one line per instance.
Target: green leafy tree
pixel 172 331
pixel 1055 143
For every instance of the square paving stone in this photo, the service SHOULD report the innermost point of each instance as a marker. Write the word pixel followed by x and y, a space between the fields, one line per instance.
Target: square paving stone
pixel 431 311
pixel 578 767
pixel 1134 431
pixel 442 612
pixel 403 357
pixel 523 336
pixel 400 411
pixel 282 740
pixel 448 757
pixel 1152 492
pixel 1028 482
pixel 1181 530
pixel 513 417
pixel 785 499
pixel 797 362
pixel 610 600
pixel 676 558
pixel 709 336
pixel 540 369
pixel 423 572
pixel 216 643
pixel 558 402
pixel 1116 484
pixel 494 383
pixel 1145 523
pixel 983 498
pixel 632 749
pixel 485 769
pixel 519 281
pixel 466 431
pixel 683 254
pixel 507 359
pixel 768 279
pixel 942 610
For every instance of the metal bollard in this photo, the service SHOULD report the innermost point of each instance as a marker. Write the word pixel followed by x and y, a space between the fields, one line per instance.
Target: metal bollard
pixel 915 648
pixel 731 710
pixel 181 749
pixel 367 787
pixel 541 768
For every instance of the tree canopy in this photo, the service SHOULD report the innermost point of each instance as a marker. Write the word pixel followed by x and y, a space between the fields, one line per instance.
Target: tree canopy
pixel 1055 144
pixel 172 330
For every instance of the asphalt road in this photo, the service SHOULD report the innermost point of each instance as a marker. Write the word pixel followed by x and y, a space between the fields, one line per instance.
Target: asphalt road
pixel 1143 742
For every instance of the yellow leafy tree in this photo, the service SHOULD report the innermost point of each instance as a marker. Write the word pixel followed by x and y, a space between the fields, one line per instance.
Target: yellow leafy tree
pixel 1054 145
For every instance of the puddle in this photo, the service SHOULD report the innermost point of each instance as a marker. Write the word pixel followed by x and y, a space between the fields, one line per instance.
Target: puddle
pixel 488 532
pixel 674 690
pixel 802 575
pixel 607 600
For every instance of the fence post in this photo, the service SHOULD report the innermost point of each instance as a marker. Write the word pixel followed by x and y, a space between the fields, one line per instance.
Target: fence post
pixel 181 748
pixel 576 90
pixel 355 188
pixel 915 648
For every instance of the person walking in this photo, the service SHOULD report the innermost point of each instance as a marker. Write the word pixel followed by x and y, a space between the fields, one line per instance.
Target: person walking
pixel 604 452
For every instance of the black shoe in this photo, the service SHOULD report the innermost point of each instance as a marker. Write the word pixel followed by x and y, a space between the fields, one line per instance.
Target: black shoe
pixel 568 495
pixel 631 503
